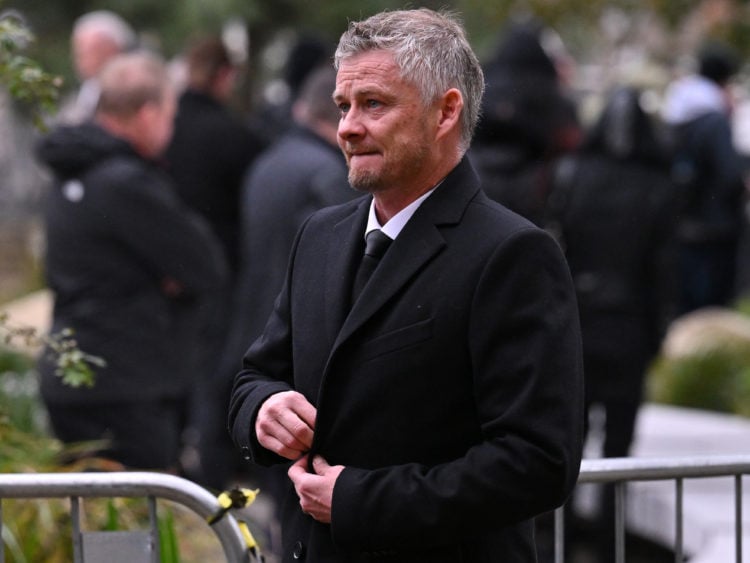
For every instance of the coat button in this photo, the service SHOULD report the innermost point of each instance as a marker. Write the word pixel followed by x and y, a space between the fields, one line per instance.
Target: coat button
pixel 245 453
pixel 299 550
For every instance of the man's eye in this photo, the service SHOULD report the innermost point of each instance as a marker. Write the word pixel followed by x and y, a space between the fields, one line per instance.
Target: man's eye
pixel 343 108
pixel 373 104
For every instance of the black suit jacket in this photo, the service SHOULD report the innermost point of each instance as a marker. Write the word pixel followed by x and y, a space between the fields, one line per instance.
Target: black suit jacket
pixel 451 390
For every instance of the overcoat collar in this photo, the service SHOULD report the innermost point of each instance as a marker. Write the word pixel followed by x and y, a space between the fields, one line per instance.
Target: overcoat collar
pixel 420 240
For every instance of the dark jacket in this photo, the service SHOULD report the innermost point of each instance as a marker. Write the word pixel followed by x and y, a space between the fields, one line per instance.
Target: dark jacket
pixel 614 207
pixel 709 174
pixel 451 391
pixel 133 271
pixel 298 175
pixel 208 156
pixel 527 122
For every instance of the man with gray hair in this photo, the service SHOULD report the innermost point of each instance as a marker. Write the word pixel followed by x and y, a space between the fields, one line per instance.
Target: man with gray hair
pixel 97 37
pixel 429 393
pixel 134 274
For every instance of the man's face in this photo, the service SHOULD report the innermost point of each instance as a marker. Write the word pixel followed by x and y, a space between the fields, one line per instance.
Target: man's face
pixel 91 50
pixel 384 129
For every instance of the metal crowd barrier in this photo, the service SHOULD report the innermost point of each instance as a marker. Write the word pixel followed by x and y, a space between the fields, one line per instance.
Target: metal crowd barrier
pixel 152 486
pixel 147 485
pixel 622 471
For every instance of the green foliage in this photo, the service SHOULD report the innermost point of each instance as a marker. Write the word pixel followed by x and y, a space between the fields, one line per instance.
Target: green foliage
pixel 73 365
pixel 169 547
pixel 22 451
pixel 23 77
pixel 717 379
pixel 19 393
pixel 716 374
pixel 40 529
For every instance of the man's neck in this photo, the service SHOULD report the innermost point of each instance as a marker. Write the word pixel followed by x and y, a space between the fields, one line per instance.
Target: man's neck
pixel 391 201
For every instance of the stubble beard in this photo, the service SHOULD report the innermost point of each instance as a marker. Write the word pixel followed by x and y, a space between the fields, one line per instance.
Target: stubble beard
pixel 365 181
pixel 390 174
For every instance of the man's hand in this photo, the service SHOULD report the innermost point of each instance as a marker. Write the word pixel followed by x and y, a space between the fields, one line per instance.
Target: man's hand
pixel 285 424
pixel 315 490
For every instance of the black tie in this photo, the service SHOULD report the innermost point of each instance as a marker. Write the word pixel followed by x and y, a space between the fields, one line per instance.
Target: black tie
pixel 376 243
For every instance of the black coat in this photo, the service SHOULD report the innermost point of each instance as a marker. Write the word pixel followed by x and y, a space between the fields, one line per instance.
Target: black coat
pixel 709 174
pixel 208 156
pixel 617 228
pixel 452 390
pixel 133 271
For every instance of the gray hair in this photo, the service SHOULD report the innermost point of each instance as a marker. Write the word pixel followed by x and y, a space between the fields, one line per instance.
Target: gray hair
pixel 109 24
pixel 131 80
pixel 432 51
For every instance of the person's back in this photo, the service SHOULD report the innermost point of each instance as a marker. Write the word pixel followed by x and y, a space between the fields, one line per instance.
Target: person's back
pixel 527 122
pixel 133 272
pixel 212 147
pixel 709 174
pixel 279 194
pixel 613 209
pixel 301 172
pixel 614 206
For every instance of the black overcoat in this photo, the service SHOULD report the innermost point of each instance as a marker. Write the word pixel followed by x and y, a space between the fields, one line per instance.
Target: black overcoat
pixel 133 271
pixel 451 391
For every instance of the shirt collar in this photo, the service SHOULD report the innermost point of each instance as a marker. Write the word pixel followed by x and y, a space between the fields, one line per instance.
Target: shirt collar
pixel 394 226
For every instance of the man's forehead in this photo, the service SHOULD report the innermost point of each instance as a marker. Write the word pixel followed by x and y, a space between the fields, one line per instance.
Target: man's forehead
pixel 362 73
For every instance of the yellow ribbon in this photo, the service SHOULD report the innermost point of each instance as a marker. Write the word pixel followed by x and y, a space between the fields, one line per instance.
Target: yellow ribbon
pixel 233 498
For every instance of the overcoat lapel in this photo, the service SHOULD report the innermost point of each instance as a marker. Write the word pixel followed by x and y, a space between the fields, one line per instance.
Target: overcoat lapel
pixel 343 255
pixel 417 244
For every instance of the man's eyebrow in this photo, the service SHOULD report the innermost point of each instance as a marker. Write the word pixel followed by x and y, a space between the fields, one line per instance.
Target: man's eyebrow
pixel 363 93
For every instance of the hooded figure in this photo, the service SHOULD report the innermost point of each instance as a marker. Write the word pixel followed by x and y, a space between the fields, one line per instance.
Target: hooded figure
pixel 527 122
pixel 613 208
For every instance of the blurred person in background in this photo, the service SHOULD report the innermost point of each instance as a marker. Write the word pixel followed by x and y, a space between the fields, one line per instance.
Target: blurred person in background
pixel 710 176
pixel 209 153
pixel 212 147
pixel 301 172
pixel 274 116
pixel 134 273
pixel 96 37
pixel 528 121
pixel 613 209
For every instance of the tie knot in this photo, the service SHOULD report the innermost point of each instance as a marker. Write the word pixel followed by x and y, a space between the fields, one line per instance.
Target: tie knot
pixel 376 243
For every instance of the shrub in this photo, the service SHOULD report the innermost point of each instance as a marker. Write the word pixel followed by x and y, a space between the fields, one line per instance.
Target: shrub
pixel 717 380
pixel 705 363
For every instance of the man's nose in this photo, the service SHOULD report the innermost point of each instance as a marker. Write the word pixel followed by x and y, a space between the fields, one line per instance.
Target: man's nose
pixel 350 124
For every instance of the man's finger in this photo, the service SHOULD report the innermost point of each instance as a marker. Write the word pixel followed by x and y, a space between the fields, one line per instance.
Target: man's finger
pixel 320 465
pixel 297 469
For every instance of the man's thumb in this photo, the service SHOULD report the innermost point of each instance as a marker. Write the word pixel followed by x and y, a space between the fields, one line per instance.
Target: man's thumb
pixel 320 465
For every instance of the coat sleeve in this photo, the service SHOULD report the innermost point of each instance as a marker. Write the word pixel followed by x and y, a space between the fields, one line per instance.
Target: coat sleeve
pixel 252 386
pixel 526 370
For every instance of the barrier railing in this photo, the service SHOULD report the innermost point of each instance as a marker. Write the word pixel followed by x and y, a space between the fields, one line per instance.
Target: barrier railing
pixel 147 485
pixel 622 471
pixel 152 486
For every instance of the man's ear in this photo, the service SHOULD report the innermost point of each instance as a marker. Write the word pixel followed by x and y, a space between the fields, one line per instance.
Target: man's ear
pixel 449 111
